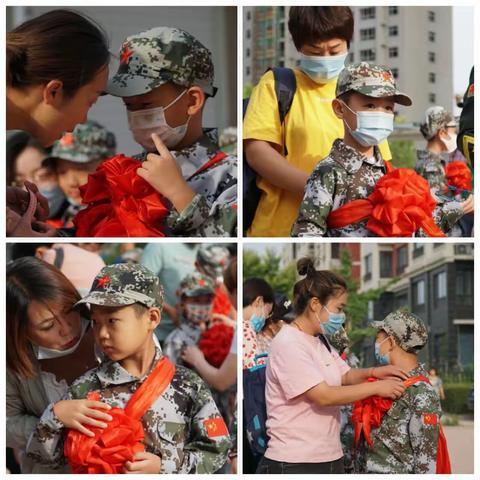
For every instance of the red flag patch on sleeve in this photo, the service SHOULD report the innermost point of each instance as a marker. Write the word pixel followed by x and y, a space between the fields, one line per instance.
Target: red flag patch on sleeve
pixel 215 427
pixel 430 419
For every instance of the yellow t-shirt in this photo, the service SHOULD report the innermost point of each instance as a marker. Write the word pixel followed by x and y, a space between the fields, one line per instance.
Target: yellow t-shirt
pixel 311 128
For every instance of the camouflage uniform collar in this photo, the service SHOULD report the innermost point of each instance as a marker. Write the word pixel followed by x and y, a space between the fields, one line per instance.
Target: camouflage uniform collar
pixel 112 373
pixel 418 370
pixel 424 155
pixel 350 159
pixel 190 329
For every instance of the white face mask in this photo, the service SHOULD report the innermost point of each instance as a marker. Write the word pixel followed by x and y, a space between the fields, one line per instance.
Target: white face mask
pixel 43 353
pixel 143 123
pixel 450 142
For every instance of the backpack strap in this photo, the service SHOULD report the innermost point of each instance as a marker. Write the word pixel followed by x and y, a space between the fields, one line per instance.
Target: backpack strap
pixel 325 342
pixel 285 88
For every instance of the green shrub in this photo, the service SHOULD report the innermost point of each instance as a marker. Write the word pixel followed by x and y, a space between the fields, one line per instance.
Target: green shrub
pixel 456 395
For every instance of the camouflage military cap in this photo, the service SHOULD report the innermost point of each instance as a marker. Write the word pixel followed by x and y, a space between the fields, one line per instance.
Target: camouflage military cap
pixel 213 260
pixel 196 284
pixel 407 329
pixel 373 80
pixel 124 284
pixel 436 117
pixel 158 56
pixel 88 142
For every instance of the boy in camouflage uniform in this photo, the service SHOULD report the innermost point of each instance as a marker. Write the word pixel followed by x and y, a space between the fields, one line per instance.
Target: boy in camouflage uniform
pixel 125 302
pixel 75 156
pixel 164 78
pixel 406 441
pixel 196 292
pixel 354 167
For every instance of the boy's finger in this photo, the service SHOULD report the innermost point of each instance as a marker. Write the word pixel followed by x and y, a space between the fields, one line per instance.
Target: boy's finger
pixel 78 426
pixel 92 422
pixel 160 146
pixel 143 172
pixel 96 414
pixel 96 404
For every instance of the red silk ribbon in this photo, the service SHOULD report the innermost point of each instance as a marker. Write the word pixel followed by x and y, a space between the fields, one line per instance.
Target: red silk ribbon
pixel 111 447
pixel 459 175
pixel 120 203
pixel 400 204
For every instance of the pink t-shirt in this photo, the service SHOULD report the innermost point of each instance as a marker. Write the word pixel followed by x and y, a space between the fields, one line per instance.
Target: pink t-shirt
pixel 301 431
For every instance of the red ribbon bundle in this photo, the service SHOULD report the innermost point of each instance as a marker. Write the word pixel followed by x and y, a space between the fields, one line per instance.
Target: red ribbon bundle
pixel 221 303
pixel 459 175
pixel 215 343
pixel 111 447
pixel 400 204
pixel 120 203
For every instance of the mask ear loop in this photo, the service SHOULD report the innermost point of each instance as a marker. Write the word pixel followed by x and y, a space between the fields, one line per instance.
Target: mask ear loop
pixel 355 113
pixel 176 99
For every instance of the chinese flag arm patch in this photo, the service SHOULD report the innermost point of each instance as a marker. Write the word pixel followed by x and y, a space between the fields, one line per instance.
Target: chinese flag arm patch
pixel 215 427
pixel 430 419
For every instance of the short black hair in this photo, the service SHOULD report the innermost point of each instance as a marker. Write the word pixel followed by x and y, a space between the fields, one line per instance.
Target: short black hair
pixel 257 287
pixel 309 25
pixel 345 97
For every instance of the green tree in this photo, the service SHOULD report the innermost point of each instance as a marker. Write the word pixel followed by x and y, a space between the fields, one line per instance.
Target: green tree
pixel 403 153
pixel 268 268
pixel 247 90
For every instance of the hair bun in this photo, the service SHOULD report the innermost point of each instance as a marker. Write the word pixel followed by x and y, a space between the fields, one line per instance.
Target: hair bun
pixel 305 267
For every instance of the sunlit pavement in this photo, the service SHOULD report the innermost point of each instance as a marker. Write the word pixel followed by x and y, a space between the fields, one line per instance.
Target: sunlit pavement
pixel 460 445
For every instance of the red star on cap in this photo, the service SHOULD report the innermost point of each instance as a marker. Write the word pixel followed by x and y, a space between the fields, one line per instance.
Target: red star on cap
pixel 67 139
pixel 201 282
pixel 126 54
pixel 387 77
pixel 103 281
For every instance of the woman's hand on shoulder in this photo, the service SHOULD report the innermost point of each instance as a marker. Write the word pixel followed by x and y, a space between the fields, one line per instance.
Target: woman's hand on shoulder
pixel 389 371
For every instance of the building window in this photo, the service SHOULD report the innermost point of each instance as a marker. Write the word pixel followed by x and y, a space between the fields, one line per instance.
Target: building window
pixel 392 10
pixel 440 286
pixel 401 300
pixel 464 287
pixel 249 15
pixel 249 33
pixel 402 260
pixel 368 267
pixel 367 13
pixel 393 31
pixel 247 52
pixel 395 73
pixel 393 52
pixel 386 270
pixel 367 34
pixel 350 58
pixel 247 71
pixel 431 36
pixel 432 77
pixel 432 98
pixel 367 55
pixel 431 15
pixel 431 57
pixel 419 293
pixel 335 250
pixel 417 250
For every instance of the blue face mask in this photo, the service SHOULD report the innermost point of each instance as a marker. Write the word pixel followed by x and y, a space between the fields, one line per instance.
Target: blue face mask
pixel 322 69
pixel 333 324
pixel 257 322
pixel 372 127
pixel 382 359
pixel 55 197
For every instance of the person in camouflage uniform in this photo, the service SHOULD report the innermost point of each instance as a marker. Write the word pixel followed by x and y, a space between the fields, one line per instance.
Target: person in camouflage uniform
pixel 196 293
pixel 153 64
pixel 406 441
pixel 75 156
pixel 178 424
pixel 347 174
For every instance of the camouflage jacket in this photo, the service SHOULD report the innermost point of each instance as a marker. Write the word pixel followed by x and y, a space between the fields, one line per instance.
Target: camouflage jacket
pixel 343 176
pixel 407 439
pixel 431 166
pixel 183 336
pixel 212 212
pixel 175 425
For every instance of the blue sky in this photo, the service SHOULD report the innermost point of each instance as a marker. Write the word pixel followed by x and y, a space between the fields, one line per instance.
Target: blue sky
pixel 463 38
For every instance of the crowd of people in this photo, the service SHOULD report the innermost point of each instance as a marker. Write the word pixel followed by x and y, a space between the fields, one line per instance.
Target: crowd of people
pixel 181 183
pixel 126 367
pixel 309 408
pixel 318 160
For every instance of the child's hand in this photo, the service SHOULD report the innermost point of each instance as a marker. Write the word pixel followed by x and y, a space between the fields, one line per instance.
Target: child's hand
pixel 144 463
pixel 75 413
pixel 164 175
pixel 468 205
pixel 192 355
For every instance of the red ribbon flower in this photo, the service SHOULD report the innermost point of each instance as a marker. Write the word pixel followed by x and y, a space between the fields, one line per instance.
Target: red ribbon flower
pixel 120 203
pixel 215 343
pixel 111 447
pixel 400 204
pixel 459 175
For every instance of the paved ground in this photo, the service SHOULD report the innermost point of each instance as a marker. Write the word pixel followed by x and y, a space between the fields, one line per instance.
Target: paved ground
pixel 460 446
